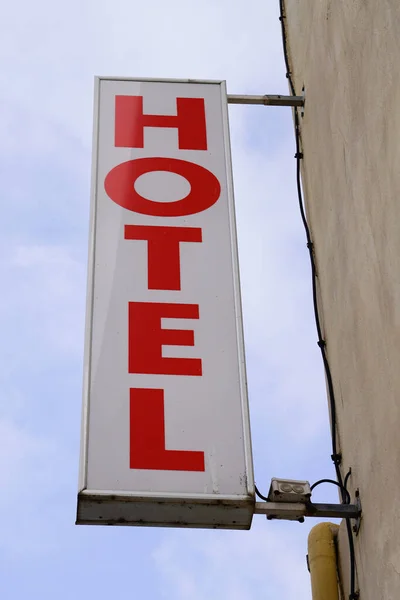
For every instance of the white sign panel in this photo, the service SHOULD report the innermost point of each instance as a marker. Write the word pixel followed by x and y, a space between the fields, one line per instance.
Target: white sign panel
pixel 166 436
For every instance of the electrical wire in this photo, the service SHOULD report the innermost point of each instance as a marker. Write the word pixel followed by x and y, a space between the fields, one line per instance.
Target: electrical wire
pixel 259 494
pixel 353 594
pixel 342 488
pixel 346 479
pixel 336 456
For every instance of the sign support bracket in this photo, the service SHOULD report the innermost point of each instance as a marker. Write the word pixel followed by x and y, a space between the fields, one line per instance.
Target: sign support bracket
pixel 267 100
pixel 297 511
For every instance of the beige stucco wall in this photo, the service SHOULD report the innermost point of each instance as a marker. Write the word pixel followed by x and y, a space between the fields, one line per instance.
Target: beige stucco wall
pixel 347 54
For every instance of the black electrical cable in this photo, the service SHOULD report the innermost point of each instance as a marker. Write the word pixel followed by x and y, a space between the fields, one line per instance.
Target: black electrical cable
pixel 353 594
pixel 259 494
pixel 333 482
pixel 336 457
pixel 346 479
pixel 321 342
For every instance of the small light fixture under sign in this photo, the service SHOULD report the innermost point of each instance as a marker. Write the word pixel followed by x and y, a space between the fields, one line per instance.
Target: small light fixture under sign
pixel 289 490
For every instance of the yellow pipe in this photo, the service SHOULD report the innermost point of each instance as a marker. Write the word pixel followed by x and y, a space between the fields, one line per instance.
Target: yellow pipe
pixel 322 562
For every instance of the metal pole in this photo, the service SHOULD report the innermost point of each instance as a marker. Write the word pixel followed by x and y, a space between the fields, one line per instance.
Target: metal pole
pixel 267 100
pixel 294 511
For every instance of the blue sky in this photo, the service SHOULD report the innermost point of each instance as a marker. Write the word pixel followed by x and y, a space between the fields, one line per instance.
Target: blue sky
pixel 49 56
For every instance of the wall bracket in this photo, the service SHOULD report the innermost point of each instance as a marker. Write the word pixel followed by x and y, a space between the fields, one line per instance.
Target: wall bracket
pixel 297 511
pixel 267 100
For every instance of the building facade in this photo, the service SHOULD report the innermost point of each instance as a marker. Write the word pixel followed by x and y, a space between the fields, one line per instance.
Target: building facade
pixel 346 55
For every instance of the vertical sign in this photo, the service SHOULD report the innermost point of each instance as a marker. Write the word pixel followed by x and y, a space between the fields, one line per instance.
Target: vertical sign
pixel 166 436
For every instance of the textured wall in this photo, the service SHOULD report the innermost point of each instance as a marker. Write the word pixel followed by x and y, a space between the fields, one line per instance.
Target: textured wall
pixel 347 54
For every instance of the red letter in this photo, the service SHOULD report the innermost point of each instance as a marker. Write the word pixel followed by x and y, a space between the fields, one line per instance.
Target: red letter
pixel 120 187
pixel 147 436
pixel 130 122
pixel 146 339
pixel 163 257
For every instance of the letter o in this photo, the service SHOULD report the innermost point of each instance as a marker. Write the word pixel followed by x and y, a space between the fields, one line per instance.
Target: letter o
pixel 120 181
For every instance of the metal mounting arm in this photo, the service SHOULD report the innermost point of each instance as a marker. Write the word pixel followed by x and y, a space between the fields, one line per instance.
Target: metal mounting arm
pixel 267 100
pixel 294 511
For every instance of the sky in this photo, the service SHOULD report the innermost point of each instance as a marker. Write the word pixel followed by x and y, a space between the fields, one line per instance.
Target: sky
pixel 50 53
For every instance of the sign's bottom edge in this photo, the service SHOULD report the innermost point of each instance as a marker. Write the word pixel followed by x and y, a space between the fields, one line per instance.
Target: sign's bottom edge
pixel 201 513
